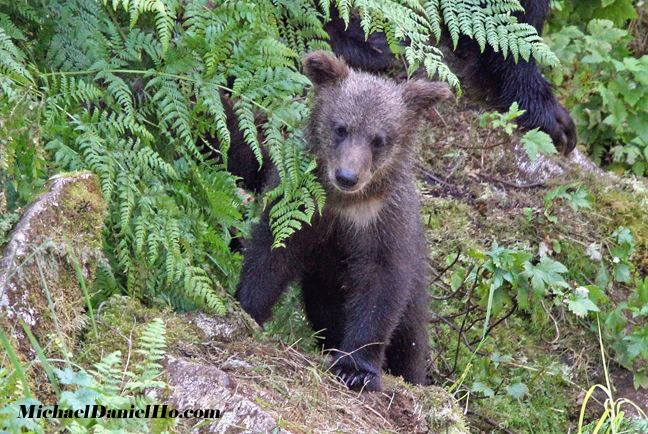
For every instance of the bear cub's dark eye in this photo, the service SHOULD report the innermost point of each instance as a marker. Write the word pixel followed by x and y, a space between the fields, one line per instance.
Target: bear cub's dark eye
pixel 378 142
pixel 340 131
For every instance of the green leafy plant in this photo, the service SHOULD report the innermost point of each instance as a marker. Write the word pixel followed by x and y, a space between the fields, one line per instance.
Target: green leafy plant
pixel 503 121
pixel 7 220
pixel 621 252
pixel 514 274
pixel 534 142
pixel 606 89
pixel 505 277
pixel 612 416
pixel 573 11
pixel 574 195
pixel 627 327
pixel 514 277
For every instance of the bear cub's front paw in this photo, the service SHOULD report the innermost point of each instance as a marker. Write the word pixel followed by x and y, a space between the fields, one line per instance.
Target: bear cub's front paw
pixel 356 373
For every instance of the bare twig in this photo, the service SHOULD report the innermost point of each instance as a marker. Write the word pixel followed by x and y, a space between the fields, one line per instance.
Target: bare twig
pixel 461 333
pixel 432 176
pixel 490 422
pixel 496 323
pixel 478 147
pixel 512 184
pixel 555 323
pixel 442 272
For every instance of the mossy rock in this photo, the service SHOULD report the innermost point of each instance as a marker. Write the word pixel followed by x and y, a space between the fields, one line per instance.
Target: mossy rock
pixel 58 237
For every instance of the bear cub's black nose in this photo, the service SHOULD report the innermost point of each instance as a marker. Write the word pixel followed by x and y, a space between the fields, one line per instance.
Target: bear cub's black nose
pixel 346 178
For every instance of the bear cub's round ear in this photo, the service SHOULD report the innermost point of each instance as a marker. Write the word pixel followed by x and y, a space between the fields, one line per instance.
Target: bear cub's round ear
pixel 324 68
pixel 419 95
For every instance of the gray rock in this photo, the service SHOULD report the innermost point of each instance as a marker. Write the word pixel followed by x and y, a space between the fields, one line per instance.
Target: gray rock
pixel 196 385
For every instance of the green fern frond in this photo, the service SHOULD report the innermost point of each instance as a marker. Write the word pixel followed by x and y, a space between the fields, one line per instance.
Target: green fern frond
pixel 212 102
pixel 12 60
pixel 108 373
pixel 151 347
pixel 164 15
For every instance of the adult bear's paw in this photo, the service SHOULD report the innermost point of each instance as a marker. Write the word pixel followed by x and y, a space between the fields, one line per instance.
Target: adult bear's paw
pixel 552 118
pixel 356 373
pixel 560 126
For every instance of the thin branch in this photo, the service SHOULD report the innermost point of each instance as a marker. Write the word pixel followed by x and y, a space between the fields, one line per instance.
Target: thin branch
pixel 492 326
pixel 512 184
pixel 490 422
pixel 555 323
pixel 433 177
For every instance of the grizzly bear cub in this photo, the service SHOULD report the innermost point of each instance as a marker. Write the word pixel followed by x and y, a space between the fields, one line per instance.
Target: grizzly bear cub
pixel 361 263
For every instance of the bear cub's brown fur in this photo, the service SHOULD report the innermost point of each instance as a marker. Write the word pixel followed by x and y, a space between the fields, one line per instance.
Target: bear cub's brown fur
pixel 361 263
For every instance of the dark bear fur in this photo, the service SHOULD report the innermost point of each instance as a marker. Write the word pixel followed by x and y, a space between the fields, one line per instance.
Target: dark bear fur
pixel 361 264
pixel 241 160
pixel 498 81
pixel 367 53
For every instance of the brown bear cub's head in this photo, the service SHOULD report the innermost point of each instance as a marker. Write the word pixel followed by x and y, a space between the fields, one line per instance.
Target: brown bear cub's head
pixel 362 126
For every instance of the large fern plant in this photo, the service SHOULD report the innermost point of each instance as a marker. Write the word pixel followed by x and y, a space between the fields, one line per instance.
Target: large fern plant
pixel 128 89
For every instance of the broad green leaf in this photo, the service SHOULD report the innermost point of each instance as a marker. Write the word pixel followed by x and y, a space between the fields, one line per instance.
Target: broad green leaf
pixel 517 390
pixel 68 376
pixel 623 235
pixel 622 272
pixel 537 142
pixel 580 199
pixel 546 273
pixel 480 387
pixel 79 398
pixel 498 358
pixel 640 380
pixel 10 416
pixel 580 306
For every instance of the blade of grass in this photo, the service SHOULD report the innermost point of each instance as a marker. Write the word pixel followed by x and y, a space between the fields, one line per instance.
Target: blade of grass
pixel 601 421
pixel 57 326
pixel 464 374
pixel 605 366
pixel 635 406
pixel 41 356
pixel 17 365
pixel 84 288
pixel 588 395
pixel 489 308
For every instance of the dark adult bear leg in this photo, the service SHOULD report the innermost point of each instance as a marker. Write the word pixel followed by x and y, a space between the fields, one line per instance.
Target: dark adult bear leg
pixel 503 81
pixel 522 82
pixel 266 272
pixel 241 160
pixel 408 349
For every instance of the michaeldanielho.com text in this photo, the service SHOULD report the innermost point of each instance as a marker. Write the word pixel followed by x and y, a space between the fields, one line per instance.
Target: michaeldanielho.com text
pixel 99 411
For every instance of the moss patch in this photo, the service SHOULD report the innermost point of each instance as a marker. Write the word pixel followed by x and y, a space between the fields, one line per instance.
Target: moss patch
pixel 120 322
